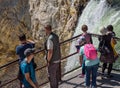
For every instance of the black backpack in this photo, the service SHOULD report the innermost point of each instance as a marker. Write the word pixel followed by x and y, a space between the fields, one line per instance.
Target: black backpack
pixel 103 48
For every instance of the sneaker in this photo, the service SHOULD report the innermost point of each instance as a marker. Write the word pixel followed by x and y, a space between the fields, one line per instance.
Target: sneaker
pixel 109 76
pixel 81 75
pixel 87 87
pixel 60 81
pixel 102 75
pixel 93 87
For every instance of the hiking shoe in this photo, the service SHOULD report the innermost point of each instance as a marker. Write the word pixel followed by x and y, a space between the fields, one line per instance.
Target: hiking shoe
pixel 81 75
pixel 60 81
pixel 102 75
pixel 87 87
pixel 93 87
pixel 109 76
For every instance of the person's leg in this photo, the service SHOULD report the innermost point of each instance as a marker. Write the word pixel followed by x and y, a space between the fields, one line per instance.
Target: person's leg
pixel 59 72
pixel 83 70
pixel 94 75
pixel 109 70
pixel 104 67
pixel 52 69
pixel 87 78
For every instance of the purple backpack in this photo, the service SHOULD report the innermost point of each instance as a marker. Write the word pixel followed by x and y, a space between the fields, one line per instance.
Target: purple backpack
pixel 87 37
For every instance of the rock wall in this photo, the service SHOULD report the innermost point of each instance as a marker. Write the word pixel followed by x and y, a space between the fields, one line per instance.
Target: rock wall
pixel 61 14
pixel 14 19
pixel 30 17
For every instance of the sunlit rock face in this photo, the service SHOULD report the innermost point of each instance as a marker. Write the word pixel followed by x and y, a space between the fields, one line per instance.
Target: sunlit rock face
pixel 30 17
pixel 60 14
pixel 14 19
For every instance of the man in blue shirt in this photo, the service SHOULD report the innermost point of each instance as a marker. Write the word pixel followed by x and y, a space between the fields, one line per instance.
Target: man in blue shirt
pixel 24 44
pixel 28 71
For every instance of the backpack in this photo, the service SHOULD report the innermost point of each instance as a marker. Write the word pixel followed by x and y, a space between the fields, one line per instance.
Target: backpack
pixel 87 37
pixel 102 48
pixel 90 51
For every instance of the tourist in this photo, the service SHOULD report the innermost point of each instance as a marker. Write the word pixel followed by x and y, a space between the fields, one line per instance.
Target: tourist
pixel 53 56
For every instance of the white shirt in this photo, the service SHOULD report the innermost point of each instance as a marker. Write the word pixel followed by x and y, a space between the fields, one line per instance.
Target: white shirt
pixel 49 44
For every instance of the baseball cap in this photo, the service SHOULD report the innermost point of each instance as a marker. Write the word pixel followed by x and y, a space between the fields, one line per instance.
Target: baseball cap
pixel 29 51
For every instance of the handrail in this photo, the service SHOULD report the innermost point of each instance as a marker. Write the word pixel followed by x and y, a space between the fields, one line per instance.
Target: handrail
pixel 38 52
pixel 9 63
pixel 37 70
pixel 95 35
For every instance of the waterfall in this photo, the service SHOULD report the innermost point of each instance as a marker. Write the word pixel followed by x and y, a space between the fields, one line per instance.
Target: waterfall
pixel 95 15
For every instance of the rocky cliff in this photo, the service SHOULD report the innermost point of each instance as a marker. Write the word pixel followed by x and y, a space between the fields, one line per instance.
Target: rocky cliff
pixel 14 19
pixel 30 17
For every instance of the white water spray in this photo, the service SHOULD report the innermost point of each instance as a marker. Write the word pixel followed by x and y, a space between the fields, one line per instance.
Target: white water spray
pixel 91 16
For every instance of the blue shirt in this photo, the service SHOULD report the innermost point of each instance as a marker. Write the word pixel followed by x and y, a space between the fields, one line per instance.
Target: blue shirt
pixel 27 68
pixel 87 61
pixel 21 48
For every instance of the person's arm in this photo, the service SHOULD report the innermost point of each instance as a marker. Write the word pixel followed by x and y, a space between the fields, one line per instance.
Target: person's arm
pixel 81 56
pixel 50 50
pixel 49 55
pixel 27 76
pixel 81 60
pixel 30 41
pixel 17 53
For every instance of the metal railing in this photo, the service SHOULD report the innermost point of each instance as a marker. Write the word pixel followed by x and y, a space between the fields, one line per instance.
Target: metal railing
pixel 40 68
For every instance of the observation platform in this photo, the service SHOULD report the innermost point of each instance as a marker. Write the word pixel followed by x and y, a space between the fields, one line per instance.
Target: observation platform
pixel 72 80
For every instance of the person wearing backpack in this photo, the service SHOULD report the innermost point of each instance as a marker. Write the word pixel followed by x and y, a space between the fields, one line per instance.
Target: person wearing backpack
pixel 89 54
pixel 106 52
pixel 88 39
pixel 87 35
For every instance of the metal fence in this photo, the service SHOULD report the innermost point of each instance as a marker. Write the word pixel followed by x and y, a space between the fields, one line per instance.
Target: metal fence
pixel 9 78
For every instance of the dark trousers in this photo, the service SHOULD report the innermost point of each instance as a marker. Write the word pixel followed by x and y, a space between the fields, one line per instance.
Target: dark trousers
pixel 54 74
pixel 91 70
pixel 83 67
pixel 109 68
